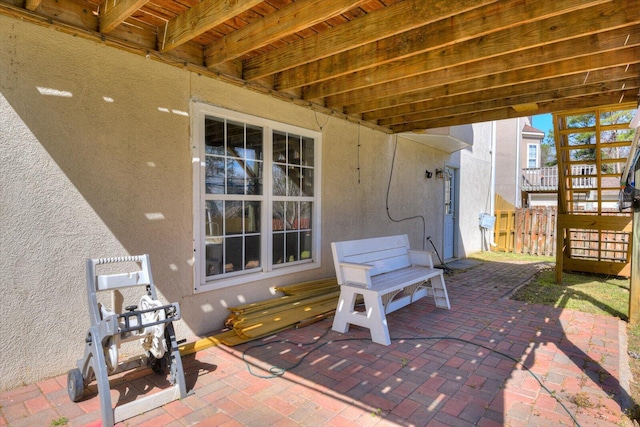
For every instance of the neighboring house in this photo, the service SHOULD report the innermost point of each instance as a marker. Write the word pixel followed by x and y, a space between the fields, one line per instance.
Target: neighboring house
pixel 538 184
pixel 96 162
pixel 518 150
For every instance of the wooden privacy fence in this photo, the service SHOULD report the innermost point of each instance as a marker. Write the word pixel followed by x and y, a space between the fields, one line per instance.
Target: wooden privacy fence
pixel 532 231
pixel 526 231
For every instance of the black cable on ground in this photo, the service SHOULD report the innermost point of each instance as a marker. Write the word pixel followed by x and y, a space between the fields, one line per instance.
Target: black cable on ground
pixel 276 371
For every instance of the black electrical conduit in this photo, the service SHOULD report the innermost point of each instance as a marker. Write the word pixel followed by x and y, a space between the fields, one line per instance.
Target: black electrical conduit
pixel 442 265
pixel 276 371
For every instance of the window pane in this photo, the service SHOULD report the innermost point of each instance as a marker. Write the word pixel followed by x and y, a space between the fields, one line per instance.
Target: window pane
pixel 279 180
pixel 279 147
pixel 294 150
pixel 278 216
pixel 214 136
pixel 213 225
pixel 254 143
pixel 293 181
pixel 278 248
pixel 235 177
pixel 448 194
pixel 214 258
pixel 252 252
pixel 214 175
pixel 254 177
pixel 233 254
pixel 307 182
pixel 293 253
pixel 307 152
pixel 213 230
pixel 235 139
pixel 305 245
pixel 252 217
pixel 305 215
pixel 234 218
pixel 292 215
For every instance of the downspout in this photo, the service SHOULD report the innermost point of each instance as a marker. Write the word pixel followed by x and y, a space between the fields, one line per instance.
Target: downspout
pixel 492 185
pixel 518 142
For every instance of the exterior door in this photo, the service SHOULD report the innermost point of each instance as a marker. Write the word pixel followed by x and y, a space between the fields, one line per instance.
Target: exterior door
pixel 450 212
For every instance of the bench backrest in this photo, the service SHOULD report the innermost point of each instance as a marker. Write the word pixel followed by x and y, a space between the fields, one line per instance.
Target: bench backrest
pixel 383 253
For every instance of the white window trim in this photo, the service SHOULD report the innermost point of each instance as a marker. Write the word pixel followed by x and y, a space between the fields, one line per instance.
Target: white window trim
pixel 198 112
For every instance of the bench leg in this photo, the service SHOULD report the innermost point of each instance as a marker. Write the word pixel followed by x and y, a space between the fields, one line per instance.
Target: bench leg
pixel 440 296
pixel 345 309
pixel 376 318
pixel 373 317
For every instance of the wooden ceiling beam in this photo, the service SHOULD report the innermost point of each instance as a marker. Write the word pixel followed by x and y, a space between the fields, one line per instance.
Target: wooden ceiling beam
pixel 532 99
pixel 114 13
pixel 563 58
pixel 459 96
pixel 508 112
pixel 394 19
pixel 200 18
pixel 456 29
pixel 32 4
pixel 577 24
pixel 275 26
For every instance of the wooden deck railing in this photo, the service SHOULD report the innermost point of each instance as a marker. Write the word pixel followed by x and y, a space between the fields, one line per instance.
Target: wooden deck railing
pixel 546 179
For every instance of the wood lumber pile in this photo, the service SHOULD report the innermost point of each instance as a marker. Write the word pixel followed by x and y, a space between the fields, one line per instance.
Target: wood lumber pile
pixel 302 304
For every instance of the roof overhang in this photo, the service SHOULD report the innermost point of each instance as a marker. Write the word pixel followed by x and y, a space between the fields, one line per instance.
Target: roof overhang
pixel 448 139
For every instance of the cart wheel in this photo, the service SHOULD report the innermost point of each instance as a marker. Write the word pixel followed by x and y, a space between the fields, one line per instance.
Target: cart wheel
pixel 159 366
pixel 75 385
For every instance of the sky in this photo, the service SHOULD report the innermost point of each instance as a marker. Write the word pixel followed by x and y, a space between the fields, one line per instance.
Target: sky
pixel 542 122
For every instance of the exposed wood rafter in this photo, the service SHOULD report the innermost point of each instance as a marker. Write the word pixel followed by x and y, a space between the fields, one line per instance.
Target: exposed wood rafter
pixel 396 65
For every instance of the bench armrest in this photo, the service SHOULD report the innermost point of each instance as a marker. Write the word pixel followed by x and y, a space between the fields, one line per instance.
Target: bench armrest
pixel 422 258
pixel 355 274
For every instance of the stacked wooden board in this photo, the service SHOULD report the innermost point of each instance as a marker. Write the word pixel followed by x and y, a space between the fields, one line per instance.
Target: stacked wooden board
pixel 302 303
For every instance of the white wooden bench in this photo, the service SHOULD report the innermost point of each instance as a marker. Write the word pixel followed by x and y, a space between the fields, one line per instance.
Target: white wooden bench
pixel 388 275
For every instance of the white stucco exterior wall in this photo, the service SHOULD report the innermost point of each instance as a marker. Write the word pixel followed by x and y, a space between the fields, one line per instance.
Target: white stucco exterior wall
pixel 475 190
pixel 95 161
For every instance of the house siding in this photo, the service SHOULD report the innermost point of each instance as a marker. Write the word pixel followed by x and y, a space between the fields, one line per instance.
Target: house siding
pixel 96 162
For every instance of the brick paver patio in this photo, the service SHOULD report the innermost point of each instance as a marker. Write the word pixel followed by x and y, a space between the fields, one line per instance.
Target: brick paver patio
pixel 444 367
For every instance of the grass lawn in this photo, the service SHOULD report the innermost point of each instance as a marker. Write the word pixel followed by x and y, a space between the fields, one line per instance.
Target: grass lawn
pixel 583 292
pixel 604 295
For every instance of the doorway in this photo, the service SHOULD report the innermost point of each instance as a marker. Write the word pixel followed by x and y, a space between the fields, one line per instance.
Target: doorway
pixel 450 211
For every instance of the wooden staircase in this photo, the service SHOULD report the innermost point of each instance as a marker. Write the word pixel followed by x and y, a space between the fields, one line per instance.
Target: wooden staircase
pixel 592 147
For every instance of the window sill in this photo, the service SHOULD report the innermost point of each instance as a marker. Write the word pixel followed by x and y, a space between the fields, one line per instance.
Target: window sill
pixel 243 279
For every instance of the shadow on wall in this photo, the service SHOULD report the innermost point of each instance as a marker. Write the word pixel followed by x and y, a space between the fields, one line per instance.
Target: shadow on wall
pixel 123 145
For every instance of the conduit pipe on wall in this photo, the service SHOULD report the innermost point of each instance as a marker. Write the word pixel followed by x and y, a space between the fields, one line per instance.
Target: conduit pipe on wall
pixel 518 142
pixel 492 185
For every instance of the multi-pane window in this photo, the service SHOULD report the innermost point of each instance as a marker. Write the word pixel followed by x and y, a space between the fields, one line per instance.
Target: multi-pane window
pixel 532 156
pixel 293 166
pixel 256 197
pixel 233 192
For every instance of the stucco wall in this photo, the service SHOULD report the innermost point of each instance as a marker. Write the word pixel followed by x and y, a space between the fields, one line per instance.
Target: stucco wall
pixel 510 160
pixel 475 190
pixel 507 159
pixel 96 161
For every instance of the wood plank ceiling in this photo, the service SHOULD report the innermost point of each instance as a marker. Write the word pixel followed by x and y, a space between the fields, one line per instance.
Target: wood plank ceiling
pixel 395 65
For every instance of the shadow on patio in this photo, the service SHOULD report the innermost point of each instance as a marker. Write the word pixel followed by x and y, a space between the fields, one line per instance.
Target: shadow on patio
pixel 443 367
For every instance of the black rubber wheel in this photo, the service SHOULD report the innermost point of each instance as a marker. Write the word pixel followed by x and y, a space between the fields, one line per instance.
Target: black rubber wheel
pixel 159 366
pixel 75 385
